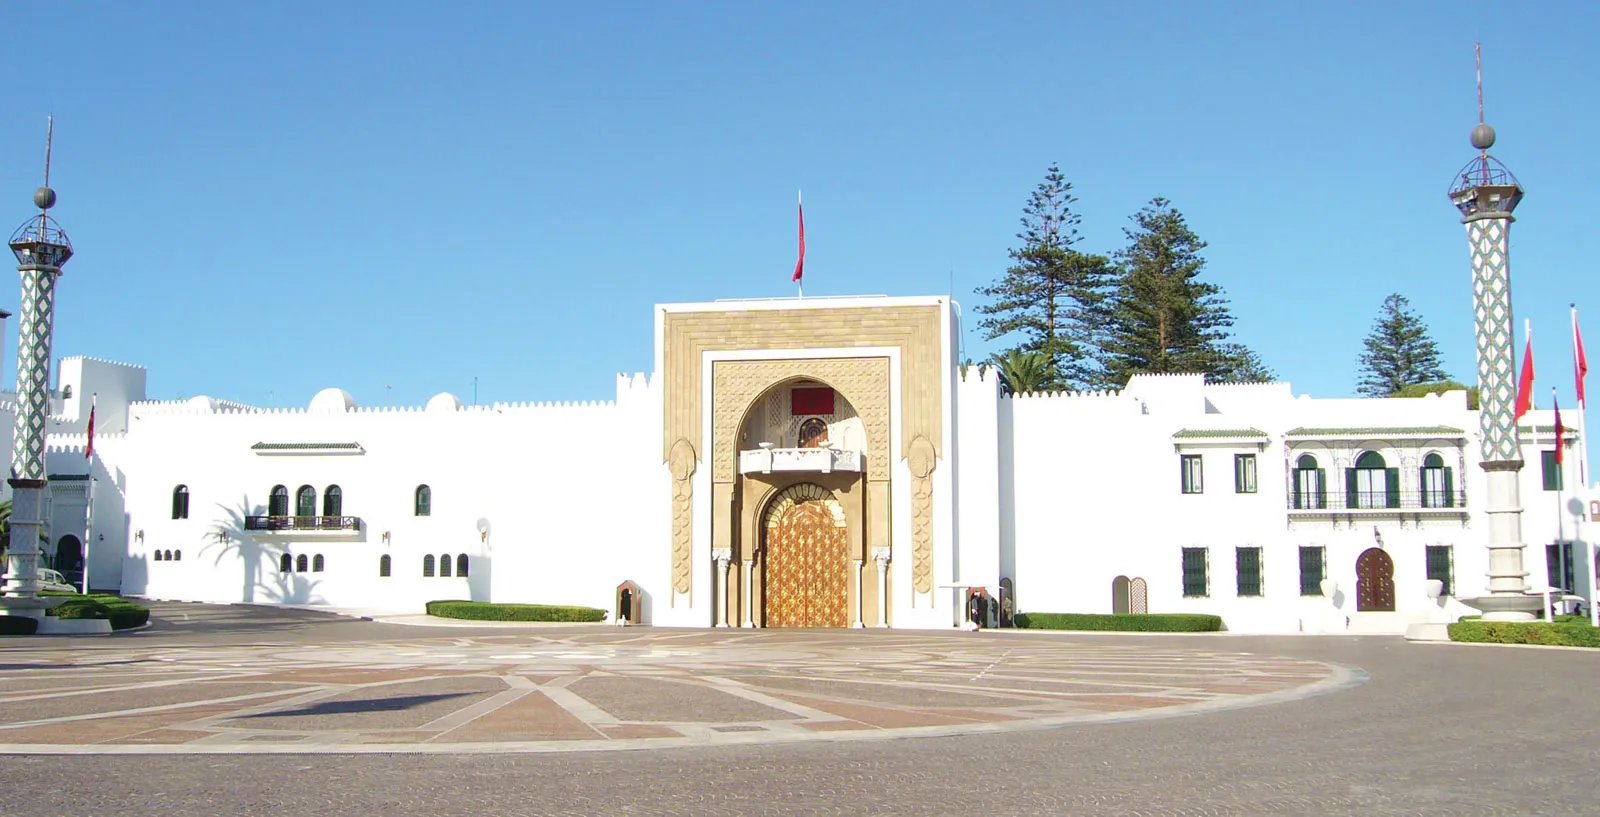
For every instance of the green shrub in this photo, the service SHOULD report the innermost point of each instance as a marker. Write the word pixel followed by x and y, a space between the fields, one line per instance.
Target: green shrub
pixel 122 614
pixel 1123 622
pixel 18 625
pixel 488 611
pixel 1571 634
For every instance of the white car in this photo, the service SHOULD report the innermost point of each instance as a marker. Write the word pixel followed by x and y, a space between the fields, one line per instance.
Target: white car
pixel 53 580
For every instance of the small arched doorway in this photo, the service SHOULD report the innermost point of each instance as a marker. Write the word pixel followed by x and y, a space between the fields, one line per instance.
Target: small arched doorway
pixel 69 553
pixel 805 559
pixel 1374 582
pixel 1119 595
pixel 1008 602
pixel 1139 596
pixel 628 603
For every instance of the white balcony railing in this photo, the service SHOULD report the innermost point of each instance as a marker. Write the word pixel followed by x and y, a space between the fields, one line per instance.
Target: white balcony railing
pixel 815 460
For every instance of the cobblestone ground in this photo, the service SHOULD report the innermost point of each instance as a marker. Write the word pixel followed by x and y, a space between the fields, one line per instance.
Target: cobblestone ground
pixel 1437 729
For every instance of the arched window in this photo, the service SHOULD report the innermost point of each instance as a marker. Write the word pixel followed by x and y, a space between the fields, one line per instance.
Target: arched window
pixel 285 563
pixel 156 557
pixel 180 502
pixel 305 501
pixel 444 565
pixel 383 566
pixel 169 557
pixel 424 501
pixel 278 501
pixel 461 565
pixel 1371 484
pixel 300 563
pixel 1438 483
pixel 333 501
pixel 1310 484
pixel 427 566
pixel 813 433
pixel 316 563
pixel 66 392
pixel 177 556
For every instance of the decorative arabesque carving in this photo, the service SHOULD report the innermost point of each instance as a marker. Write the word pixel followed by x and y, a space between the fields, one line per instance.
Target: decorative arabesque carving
pixel 735 384
pixel 922 460
pixel 681 463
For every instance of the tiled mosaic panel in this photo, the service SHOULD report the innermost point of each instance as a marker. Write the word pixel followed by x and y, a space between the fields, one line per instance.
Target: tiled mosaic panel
pixel 1496 342
pixel 33 373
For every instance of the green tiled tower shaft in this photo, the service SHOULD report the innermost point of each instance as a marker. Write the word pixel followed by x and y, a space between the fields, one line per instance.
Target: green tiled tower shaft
pixel 1489 234
pixel 33 369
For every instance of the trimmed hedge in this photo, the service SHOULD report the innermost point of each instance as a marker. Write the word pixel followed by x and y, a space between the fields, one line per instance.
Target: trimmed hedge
pixel 489 611
pixel 1123 622
pixel 122 614
pixel 1525 632
pixel 18 625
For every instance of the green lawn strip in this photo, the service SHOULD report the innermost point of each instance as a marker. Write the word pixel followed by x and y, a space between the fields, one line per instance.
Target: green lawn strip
pixel 122 614
pixel 1122 622
pixel 489 611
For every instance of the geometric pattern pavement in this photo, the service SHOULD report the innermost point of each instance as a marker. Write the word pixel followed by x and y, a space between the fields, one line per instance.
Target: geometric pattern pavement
pixel 610 689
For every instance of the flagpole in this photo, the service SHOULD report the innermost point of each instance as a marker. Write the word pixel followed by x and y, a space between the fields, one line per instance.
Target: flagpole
pixel 1562 556
pixel 1583 421
pixel 799 281
pixel 88 533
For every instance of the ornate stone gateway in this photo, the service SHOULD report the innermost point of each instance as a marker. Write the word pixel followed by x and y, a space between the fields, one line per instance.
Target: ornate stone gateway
pixel 806 559
pixel 1374 581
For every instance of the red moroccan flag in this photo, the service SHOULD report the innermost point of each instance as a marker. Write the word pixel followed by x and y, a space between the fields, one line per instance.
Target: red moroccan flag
pixel 1580 364
pixel 1525 383
pixel 88 450
pixel 800 265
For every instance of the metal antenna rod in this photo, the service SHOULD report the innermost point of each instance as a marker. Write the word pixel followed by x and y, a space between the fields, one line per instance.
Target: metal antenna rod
pixel 49 138
pixel 1477 49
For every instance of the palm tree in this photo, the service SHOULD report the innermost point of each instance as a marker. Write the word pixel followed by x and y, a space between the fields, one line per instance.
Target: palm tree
pixel 1022 372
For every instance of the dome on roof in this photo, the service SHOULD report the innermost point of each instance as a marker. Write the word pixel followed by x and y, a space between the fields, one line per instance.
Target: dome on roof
pixel 443 401
pixel 333 401
pixel 201 400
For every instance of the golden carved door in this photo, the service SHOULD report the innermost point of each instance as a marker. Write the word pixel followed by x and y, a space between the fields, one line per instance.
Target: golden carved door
pixel 806 562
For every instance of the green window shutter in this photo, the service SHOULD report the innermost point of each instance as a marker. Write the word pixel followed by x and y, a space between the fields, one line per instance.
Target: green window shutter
pixel 1322 488
pixel 1310 571
pixel 1247 564
pixel 1552 564
pixel 1194 571
pixel 1439 566
pixel 1449 489
pixel 1391 487
pixel 1351 488
pixel 1552 470
pixel 1299 498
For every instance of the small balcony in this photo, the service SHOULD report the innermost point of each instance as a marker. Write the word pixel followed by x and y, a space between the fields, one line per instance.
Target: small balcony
pixel 812 460
pixel 1377 503
pixel 303 524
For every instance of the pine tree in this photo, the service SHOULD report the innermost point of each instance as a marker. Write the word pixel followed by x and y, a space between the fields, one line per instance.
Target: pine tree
pixel 1162 318
pixel 1052 294
pixel 1398 353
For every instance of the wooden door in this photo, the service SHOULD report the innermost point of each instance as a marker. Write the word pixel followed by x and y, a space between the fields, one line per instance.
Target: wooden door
pixel 806 565
pixel 1374 582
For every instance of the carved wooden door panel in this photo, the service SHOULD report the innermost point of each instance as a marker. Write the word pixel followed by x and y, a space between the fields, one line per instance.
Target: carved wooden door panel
pixel 1374 582
pixel 807 565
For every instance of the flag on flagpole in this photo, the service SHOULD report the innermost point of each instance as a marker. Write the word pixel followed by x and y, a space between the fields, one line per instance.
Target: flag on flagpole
pixel 800 265
pixel 1561 432
pixel 1525 382
pixel 88 450
pixel 1580 364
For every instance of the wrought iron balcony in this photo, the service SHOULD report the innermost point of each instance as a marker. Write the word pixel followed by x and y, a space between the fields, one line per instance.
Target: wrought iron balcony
pixel 1377 502
pixel 273 524
pixel 815 460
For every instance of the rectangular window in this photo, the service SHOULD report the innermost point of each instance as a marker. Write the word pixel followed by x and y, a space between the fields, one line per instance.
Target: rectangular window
pixel 1248 564
pixel 1558 566
pixel 1313 567
pixel 1552 470
pixel 1194 572
pixel 1441 563
pixel 1309 491
pixel 1193 474
pixel 1244 473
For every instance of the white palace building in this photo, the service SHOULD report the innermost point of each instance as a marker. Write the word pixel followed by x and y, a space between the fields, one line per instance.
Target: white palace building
pixel 823 463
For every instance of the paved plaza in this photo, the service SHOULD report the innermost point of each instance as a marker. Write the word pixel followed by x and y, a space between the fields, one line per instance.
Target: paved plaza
pixel 244 710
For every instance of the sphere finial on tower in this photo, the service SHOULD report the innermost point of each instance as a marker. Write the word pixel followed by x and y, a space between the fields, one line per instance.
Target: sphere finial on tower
pixel 1482 136
pixel 44 198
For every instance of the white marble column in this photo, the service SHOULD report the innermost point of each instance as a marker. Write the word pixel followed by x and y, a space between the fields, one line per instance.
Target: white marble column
pixel 722 556
pixel 855 582
pixel 748 591
pixel 881 556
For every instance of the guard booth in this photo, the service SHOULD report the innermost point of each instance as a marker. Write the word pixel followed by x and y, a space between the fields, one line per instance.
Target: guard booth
pixel 630 604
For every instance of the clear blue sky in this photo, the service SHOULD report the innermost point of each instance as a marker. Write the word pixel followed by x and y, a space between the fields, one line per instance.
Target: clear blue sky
pixel 272 198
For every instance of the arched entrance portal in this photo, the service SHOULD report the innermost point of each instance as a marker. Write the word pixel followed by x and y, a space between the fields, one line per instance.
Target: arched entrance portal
pixel 806 559
pixel 69 553
pixel 1374 582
